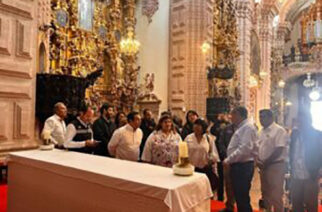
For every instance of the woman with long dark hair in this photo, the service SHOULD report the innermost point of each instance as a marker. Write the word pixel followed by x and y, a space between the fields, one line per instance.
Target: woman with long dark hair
pixel 187 129
pixel 161 147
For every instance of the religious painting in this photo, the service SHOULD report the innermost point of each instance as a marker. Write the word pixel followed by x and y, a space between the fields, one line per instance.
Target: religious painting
pixel 86 14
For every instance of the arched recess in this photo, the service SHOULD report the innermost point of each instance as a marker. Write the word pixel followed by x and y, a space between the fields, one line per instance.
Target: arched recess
pixel 42 63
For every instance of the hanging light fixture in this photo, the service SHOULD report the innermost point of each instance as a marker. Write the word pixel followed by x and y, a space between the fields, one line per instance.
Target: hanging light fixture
pixel 288 103
pixel 308 82
pixel 130 46
pixel 205 47
pixel 253 82
pixel 315 94
pixel 263 74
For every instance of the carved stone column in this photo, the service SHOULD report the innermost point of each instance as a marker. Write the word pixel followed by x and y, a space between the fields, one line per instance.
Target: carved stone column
pixel 277 94
pixel 245 10
pixel 266 40
pixel 187 68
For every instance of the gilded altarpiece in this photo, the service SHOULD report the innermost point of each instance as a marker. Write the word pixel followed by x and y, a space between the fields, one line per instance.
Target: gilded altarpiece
pixel 85 37
pixel 223 79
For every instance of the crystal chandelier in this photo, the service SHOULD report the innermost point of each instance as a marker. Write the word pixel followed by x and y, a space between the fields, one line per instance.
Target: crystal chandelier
pixel 130 46
pixel 308 82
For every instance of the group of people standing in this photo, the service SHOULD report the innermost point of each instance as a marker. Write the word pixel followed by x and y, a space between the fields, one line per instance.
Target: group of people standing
pixel 234 144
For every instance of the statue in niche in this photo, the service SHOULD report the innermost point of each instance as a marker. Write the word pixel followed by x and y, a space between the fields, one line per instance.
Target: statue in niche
pixel 223 89
pixel 149 82
pixel 237 93
pixel 119 64
pixel 147 89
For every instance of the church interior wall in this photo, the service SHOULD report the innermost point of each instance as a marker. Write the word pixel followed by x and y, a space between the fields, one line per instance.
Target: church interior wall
pixel 154 51
pixel 294 37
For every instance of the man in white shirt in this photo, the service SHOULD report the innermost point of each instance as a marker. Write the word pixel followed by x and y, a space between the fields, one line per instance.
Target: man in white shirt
pixel 272 154
pixel 240 157
pixel 79 136
pixel 125 142
pixel 56 126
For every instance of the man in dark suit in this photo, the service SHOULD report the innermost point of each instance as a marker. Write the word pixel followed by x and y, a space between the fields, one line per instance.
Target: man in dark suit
pixel 223 143
pixel 147 127
pixel 103 129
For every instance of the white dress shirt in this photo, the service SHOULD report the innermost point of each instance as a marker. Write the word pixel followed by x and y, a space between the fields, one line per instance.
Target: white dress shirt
pixel 270 139
pixel 242 147
pixel 125 143
pixel 71 133
pixel 57 127
pixel 200 153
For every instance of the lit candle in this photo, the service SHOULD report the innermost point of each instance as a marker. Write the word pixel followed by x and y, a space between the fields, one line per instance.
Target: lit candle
pixel 46 134
pixel 183 150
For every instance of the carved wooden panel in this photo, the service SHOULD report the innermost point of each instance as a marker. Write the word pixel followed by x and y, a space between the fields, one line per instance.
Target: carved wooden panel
pixel 21 120
pixel 178 53
pixel 4 35
pixel 4 131
pixel 18 42
pixel 20 8
pixel 23 36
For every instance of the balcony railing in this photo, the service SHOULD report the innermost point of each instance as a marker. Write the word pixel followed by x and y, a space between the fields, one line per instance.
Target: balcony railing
pixel 292 58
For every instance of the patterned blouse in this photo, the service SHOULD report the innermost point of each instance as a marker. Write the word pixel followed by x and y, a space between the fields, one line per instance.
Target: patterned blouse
pixel 161 149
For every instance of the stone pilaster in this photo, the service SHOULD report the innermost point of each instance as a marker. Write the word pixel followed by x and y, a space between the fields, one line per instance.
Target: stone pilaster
pixel 43 23
pixel 266 40
pixel 245 10
pixel 187 68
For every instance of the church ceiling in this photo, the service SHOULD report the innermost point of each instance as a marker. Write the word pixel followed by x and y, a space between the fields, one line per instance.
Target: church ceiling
pixel 296 8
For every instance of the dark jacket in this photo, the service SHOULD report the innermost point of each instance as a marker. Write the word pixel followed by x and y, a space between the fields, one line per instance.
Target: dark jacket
pixel 224 140
pixel 83 133
pixel 186 130
pixel 312 149
pixel 103 130
pixel 147 127
pixel 217 130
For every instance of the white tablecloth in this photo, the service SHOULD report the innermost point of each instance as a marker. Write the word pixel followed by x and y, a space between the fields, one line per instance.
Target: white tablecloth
pixel 38 179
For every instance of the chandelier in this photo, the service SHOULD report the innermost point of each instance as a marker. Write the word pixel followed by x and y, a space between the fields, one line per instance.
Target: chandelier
pixel 253 82
pixel 205 47
pixel 130 46
pixel 308 82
